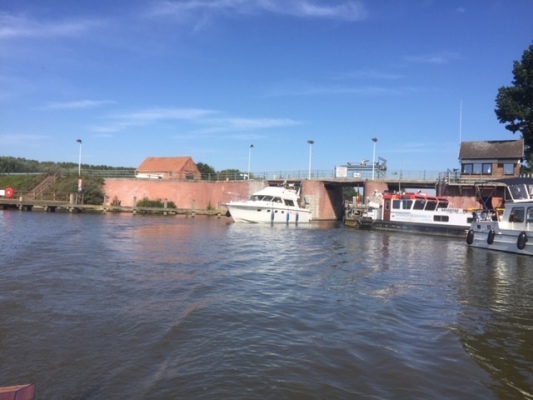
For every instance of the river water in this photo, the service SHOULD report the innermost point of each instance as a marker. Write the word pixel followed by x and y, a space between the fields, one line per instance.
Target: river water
pixel 143 307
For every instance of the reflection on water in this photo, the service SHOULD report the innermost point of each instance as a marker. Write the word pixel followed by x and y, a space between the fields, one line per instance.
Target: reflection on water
pixel 120 306
pixel 496 322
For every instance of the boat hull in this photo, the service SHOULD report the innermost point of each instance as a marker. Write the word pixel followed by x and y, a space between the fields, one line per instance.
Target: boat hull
pixel 424 228
pixel 488 235
pixel 248 213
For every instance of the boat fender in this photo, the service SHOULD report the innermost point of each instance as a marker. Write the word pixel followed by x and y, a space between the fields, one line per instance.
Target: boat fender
pixel 272 215
pixel 297 216
pixel 288 216
pixel 490 237
pixel 522 240
pixel 470 236
pixel 228 214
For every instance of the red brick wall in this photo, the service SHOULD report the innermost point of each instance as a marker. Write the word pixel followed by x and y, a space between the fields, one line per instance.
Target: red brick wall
pixel 185 194
pixel 200 195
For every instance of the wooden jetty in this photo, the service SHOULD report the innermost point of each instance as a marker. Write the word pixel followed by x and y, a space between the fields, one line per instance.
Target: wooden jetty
pixel 73 207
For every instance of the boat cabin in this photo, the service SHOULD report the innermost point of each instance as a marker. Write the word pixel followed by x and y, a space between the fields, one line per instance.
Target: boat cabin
pixel 519 210
pixel 411 201
pixel 272 199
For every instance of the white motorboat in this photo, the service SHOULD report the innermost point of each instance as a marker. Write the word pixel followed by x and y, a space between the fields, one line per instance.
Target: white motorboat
pixel 273 204
pixel 510 231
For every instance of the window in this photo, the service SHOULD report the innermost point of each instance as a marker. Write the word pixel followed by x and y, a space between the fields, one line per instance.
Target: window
pixel 396 204
pixel 419 205
pixel 487 169
pixel 467 169
pixel 508 169
pixel 431 205
pixel 441 218
pixel 517 214
pixel 289 203
pixel 407 204
pixel 477 169
pixel 530 214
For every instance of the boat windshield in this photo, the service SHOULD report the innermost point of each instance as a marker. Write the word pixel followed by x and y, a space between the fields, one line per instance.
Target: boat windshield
pixel 260 198
pixel 521 192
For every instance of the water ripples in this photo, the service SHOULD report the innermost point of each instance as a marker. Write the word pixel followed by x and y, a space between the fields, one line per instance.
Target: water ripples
pixel 138 307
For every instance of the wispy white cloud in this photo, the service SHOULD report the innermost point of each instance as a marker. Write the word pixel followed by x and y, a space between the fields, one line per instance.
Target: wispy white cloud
pixel 78 104
pixel 156 114
pixel 434 58
pixel 314 90
pixel 258 123
pixel 16 26
pixel 348 10
pixel 235 125
pixel 370 74
pixel 203 121
pixel 119 122
pixel 17 139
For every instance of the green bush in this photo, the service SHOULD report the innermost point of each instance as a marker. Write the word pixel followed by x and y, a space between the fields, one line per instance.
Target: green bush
pixel 92 188
pixel 20 183
pixel 146 202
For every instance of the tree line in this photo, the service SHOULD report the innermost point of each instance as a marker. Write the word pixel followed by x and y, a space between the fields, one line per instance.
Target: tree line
pixel 22 165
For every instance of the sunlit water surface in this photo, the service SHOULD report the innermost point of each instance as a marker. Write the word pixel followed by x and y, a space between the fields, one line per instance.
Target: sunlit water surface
pixel 136 307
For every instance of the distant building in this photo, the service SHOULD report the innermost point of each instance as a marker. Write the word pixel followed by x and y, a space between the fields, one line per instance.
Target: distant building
pixel 168 168
pixel 491 159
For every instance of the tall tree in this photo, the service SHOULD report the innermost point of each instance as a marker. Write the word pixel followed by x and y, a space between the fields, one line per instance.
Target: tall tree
pixel 205 170
pixel 514 104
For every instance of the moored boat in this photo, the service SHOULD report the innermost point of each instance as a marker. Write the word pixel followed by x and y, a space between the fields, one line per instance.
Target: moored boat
pixel 272 204
pixel 415 212
pixel 512 230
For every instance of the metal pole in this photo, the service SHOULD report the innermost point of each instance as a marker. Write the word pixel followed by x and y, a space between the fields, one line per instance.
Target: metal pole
pixel 249 158
pixel 374 156
pixel 311 142
pixel 79 160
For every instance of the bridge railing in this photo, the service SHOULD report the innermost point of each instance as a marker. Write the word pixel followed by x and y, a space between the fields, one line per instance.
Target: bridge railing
pixel 285 174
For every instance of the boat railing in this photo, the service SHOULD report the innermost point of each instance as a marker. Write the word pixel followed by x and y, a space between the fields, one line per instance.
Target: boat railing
pixel 485 215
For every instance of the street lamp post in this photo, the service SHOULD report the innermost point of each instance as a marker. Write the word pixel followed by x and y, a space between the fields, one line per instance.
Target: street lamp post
pixel 249 158
pixel 311 142
pixel 79 160
pixel 374 139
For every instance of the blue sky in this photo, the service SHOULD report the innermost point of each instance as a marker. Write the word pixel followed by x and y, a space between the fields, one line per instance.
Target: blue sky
pixel 207 78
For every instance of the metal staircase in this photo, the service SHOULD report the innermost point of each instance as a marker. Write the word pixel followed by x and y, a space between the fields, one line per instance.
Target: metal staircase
pixel 42 186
